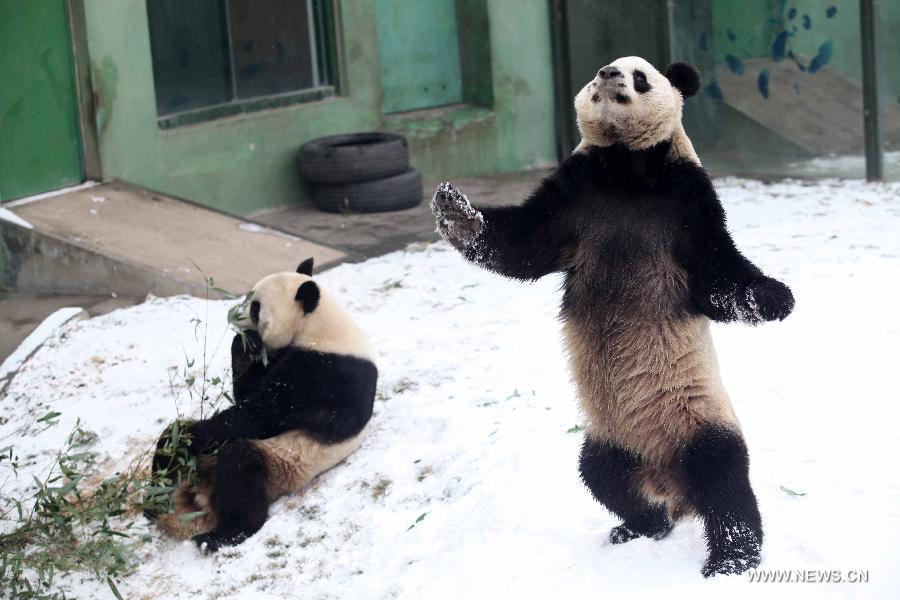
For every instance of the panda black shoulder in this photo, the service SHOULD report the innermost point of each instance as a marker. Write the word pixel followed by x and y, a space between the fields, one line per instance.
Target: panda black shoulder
pixel 329 383
pixel 698 202
pixel 687 179
pixel 310 363
pixel 573 173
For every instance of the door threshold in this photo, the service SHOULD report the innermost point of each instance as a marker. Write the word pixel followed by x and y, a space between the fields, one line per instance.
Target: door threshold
pixel 44 195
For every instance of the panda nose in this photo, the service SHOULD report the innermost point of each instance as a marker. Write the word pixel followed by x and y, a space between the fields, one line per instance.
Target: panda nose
pixel 609 73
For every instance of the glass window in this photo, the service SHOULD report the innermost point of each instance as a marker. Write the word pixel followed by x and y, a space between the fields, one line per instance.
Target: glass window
pixel 782 86
pixel 214 58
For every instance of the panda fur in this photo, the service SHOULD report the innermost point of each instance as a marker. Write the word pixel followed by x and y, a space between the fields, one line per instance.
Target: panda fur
pixel 635 225
pixel 292 419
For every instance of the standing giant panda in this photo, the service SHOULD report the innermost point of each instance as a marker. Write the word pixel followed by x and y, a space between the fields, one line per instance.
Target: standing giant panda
pixel 295 415
pixel 634 223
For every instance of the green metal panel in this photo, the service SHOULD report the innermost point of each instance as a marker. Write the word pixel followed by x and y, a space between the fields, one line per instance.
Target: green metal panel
pixel 39 136
pixel 418 47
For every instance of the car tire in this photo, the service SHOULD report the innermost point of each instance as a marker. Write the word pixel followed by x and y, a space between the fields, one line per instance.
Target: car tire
pixel 353 157
pixel 397 192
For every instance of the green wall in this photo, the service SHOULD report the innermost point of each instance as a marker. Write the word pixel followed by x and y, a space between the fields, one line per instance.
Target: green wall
pixel 238 164
pixel 246 163
pixel 517 131
pixel 420 66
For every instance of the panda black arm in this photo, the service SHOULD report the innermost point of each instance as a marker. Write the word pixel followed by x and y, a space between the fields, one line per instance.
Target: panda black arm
pixel 258 403
pixel 524 242
pixel 724 285
pixel 330 396
pixel 232 423
pixel 247 369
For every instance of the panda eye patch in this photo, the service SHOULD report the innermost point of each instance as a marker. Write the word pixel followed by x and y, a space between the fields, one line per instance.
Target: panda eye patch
pixel 254 312
pixel 641 86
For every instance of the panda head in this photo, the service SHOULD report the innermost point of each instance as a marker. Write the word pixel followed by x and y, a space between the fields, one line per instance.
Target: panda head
pixel 629 102
pixel 280 305
pixel 290 309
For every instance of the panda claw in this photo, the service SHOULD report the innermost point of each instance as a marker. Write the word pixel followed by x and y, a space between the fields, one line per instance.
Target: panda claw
pixel 457 220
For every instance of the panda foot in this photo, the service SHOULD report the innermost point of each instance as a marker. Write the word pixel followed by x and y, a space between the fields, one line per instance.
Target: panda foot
pixel 729 565
pixel 621 534
pixel 740 554
pixel 736 549
pixel 624 533
pixel 211 541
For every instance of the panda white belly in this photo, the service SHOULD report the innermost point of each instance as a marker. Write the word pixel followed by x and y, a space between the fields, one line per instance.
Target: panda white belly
pixel 293 459
pixel 648 386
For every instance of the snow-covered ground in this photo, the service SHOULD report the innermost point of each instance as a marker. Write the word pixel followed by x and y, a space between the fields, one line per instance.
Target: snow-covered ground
pixel 468 486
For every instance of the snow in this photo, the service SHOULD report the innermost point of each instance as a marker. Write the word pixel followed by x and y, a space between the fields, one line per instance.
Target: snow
pixel 35 339
pixel 467 486
pixel 853 165
pixel 257 228
pixel 10 216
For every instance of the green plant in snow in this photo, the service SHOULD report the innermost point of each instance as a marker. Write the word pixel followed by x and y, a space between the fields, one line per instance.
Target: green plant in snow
pixel 66 523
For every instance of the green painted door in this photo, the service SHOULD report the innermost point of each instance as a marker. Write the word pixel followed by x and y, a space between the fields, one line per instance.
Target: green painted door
pixel 40 145
pixel 418 47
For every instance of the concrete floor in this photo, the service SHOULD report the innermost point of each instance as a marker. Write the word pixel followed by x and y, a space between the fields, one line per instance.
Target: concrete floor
pixel 21 312
pixel 363 236
pixel 118 238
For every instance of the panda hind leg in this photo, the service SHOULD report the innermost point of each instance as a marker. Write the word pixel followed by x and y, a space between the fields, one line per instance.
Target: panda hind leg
pixel 610 472
pixel 239 499
pixel 716 469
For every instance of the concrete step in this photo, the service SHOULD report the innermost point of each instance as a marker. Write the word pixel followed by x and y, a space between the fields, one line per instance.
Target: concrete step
pixel 119 239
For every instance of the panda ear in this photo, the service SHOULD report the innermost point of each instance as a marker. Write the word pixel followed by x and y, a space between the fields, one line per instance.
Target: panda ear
pixel 306 267
pixel 308 296
pixel 684 78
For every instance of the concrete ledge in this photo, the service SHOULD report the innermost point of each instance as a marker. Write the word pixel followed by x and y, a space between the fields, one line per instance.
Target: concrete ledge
pixel 118 239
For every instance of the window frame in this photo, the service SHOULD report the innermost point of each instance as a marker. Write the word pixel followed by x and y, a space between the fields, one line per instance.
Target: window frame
pixel 325 60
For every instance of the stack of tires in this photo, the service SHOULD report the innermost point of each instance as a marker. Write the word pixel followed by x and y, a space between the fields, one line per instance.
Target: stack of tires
pixel 360 172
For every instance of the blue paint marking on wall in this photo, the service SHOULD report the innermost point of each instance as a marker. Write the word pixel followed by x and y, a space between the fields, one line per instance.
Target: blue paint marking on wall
pixel 703 44
pixel 734 64
pixel 792 13
pixel 762 83
pixel 779 46
pixel 807 22
pixel 730 35
pixel 714 91
pixel 831 11
pixel 822 58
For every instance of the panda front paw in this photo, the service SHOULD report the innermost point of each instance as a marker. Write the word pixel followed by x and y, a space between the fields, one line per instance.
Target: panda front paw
pixel 202 435
pixel 246 344
pixel 769 300
pixel 457 220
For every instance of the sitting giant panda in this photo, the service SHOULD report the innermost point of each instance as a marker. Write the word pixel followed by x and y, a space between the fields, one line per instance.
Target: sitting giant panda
pixel 295 415
pixel 634 223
